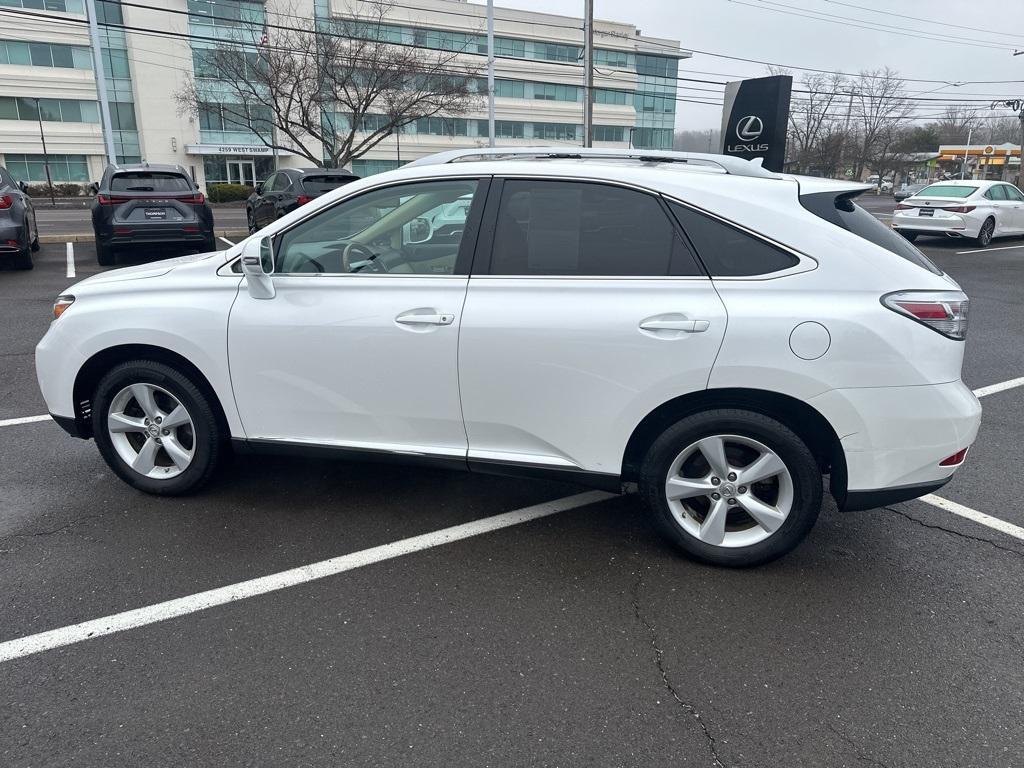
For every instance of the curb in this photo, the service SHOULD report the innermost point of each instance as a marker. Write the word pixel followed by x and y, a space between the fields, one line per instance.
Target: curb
pixel 87 237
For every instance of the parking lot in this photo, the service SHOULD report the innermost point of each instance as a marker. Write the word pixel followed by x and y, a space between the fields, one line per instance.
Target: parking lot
pixel 269 622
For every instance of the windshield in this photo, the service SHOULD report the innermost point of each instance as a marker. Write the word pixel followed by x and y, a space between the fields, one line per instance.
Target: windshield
pixel 149 181
pixel 947 190
pixel 843 212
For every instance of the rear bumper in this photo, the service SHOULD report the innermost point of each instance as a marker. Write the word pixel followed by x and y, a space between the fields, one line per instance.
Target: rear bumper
pixel 954 225
pixel 881 497
pixel 16 232
pixel 893 438
pixel 134 234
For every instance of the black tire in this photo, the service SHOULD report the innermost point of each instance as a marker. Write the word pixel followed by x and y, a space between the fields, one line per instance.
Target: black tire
pixel 985 233
pixel 34 245
pixel 803 470
pixel 250 219
pixel 210 244
pixel 105 255
pixel 207 435
pixel 23 259
pixel 909 236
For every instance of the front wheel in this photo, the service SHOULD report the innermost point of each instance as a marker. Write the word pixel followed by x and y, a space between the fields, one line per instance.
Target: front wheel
pixel 156 429
pixel 985 233
pixel 732 487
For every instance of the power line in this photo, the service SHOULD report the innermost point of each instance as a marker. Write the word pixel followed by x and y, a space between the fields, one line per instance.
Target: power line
pixel 946 24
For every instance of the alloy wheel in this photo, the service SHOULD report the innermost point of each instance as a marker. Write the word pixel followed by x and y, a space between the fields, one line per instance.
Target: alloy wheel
pixel 729 490
pixel 151 431
pixel 985 236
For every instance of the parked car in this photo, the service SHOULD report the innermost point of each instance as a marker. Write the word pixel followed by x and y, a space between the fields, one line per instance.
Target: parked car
pixel 146 204
pixel 19 230
pixel 980 210
pixel 287 189
pixel 591 343
pixel 907 190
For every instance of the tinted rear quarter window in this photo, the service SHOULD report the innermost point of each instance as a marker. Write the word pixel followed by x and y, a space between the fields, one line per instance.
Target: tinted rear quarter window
pixel 149 181
pixel 727 251
pixel 318 184
pixel 586 229
pixel 843 212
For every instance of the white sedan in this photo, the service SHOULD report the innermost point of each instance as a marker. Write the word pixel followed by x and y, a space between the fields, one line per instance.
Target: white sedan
pixel 980 210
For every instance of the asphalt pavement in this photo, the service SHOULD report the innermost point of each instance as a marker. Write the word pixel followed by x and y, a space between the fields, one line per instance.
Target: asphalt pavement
pixel 891 637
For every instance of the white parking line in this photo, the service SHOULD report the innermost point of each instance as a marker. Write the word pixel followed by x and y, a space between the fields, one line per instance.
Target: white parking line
pixel 225 240
pixel 986 250
pixel 972 514
pixel 24 420
pixel 991 389
pixel 71 260
pixel 182 606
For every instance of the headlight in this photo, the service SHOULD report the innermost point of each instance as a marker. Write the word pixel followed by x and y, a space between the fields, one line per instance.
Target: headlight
pixel 61 304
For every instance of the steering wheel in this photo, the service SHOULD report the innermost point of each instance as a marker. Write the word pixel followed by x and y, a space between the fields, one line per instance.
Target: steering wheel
pixel 361 252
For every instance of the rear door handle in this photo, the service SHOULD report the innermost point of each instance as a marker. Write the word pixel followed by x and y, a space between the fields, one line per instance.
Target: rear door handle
pixel 666 324
pixel 412 318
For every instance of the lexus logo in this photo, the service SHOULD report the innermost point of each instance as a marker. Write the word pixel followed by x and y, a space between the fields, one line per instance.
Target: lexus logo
pixel 749 128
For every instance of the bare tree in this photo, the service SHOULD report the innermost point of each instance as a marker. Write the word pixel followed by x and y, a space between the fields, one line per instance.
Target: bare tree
pixel 880 108
pixel 815 121
pixel 957 124
pixel 328 91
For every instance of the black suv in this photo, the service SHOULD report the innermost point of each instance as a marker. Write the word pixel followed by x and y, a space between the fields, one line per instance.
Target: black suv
pixel 147 204
pixel 287 189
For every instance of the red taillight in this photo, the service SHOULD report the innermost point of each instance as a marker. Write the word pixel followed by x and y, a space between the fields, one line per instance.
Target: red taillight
pixel 956 458
pixel 6 201
pixel 943 311
pixel 196 199
pixel 959 208
pixel 108 200
pixel 303 199
pixel 902 207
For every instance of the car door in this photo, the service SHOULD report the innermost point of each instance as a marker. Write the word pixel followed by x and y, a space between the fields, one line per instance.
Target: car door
pixel 586 310
pixel 358 348
pixel 263 210
pixel 281 196
pixel 1015 206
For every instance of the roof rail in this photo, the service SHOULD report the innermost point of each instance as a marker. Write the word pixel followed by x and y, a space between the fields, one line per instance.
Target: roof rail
pixel 731 165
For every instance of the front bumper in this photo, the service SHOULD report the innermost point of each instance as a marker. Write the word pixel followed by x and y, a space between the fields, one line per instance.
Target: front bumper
pixel 893 438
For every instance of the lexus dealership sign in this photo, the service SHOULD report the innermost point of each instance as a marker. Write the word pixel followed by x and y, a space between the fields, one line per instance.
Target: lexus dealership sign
pixel 755 117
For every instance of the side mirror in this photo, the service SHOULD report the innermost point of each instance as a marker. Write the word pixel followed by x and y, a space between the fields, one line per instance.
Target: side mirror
pixel 23 187
pixel 257 266
pixel 259 188
pixel 95 187
pixel 420 231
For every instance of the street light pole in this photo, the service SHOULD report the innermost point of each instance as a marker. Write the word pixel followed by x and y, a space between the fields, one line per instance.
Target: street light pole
pixel 588 78
pixel 101 81
pixel 46 155
pixel 490 73
pixel 963 167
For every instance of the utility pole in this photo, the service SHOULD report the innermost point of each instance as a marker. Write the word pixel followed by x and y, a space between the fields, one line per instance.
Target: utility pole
pixel 490 73
pixel 963 167
pixel 588 76
pixel 46 155
pixel 101 81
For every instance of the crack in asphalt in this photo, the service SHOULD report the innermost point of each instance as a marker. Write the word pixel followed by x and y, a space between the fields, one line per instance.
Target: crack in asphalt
pixel 960 534
pixel 33 534
pixel 659 656
pixel 861 755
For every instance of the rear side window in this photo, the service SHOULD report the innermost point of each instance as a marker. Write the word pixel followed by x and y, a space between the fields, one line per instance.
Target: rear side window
pixel 149 181
pixel 997 192
pixel 317 184
pixel 585 229
pixel 843 212
pixel 727 251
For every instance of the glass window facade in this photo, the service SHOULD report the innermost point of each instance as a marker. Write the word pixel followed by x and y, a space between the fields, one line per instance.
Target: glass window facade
pixel 61 6
pixel 62 167
pixel 610 133
pixel 44 55
pixel 51 110
pixel 369 167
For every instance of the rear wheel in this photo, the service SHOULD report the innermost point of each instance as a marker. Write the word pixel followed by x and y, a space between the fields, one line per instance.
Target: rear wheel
pixel 210 244
pixel 250 220
pixel 985 233
pixel 156 429
pixel 35 241
pixel 105 255
pixel 732 487
pixel 23 258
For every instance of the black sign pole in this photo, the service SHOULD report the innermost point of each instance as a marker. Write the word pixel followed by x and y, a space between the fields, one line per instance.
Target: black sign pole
pixel 755 118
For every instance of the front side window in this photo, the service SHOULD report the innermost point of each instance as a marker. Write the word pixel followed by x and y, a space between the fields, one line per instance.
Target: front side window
pixel 1012 193
pixel 411 229
pixel 573 228
pixel 727 251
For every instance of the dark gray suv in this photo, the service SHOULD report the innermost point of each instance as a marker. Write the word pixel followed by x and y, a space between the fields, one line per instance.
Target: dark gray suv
pixel 147 204
pixel 19 230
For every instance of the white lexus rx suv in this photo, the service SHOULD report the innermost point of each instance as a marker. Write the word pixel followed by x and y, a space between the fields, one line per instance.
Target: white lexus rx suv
pixel 718 336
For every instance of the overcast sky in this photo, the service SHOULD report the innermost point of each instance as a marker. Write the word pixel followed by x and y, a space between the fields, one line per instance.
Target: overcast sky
pixel 860 35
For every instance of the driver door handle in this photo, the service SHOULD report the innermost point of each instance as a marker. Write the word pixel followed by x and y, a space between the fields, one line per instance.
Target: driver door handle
pixel 668 323
pixel 411 318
